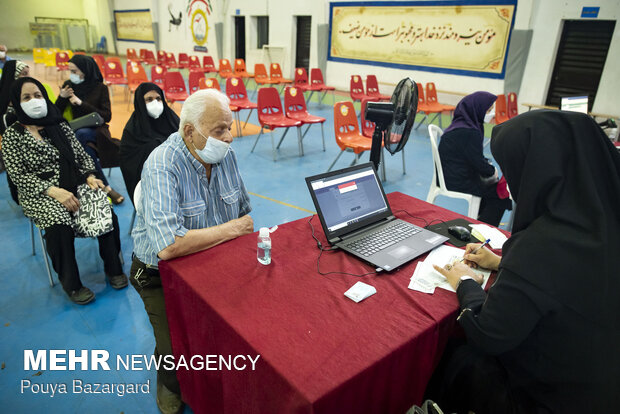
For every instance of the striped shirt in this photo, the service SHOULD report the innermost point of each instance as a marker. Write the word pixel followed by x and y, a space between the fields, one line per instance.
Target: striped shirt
pixel 176 196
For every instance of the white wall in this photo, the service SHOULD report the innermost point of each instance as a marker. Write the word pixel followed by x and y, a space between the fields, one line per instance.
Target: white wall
pixel 546 22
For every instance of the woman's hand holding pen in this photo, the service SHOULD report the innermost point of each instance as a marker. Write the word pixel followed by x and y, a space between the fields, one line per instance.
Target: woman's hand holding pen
pixel 476 257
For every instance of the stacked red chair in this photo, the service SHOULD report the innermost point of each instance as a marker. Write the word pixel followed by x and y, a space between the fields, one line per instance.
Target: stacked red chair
pixel 295 108
pixel 270 116
pixel 513 109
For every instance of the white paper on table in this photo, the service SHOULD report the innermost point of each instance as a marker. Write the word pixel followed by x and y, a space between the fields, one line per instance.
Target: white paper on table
pixel 441 256
pixel 497 237
pixel 420 283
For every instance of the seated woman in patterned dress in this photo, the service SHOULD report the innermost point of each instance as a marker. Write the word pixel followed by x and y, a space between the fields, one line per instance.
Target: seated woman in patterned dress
pixel 48 164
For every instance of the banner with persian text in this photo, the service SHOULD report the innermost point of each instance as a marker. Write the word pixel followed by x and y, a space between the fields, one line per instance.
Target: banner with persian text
pixel 467 38
pixel 134 25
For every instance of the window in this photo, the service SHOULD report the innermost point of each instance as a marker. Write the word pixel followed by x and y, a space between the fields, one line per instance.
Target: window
pixel 262 31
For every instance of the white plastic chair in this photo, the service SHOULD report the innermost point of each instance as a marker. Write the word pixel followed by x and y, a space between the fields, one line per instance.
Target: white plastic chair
pixel 434 133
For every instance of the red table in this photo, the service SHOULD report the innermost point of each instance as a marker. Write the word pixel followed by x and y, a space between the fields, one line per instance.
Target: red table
pixel 319 351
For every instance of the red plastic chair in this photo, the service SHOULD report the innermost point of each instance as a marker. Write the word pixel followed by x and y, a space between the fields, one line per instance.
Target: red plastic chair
pixel 194 81
pixel 301 81
pixel 157 75
pixel 501 113
pixel 135 75
pixel 295 108
pixel 421 99
pixel 372 89
pixel 161 58
pixel 131 54
pixel 183 61
pixel 174 87
pixel 142 55
pixel 238 95
pixel 62 62
pixel 513 109
pixel 261 77
pixel 100 60
pixel 225 69
pixel 356 89
pixel 240 70
pixel 194 64
pixel 171 61
pixel 275 73
pixel 270 115
pixel 347 132
pixel 114 72
pixel 208 83
pixel 149 57
pixel 316 77
pixel 208 65
pixel 431 105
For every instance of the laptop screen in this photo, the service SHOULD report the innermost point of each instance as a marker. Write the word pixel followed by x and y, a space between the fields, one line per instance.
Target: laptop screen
pixel 348 199
pixel 575 103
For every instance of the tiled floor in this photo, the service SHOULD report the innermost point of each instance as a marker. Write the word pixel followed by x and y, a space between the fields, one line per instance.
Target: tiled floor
pixel 35 316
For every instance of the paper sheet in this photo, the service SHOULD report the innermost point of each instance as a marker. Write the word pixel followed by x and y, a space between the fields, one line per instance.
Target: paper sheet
pixel 497 237
pixel 425 278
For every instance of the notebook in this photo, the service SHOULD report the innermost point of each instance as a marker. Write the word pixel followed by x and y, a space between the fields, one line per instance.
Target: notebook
pixel 356 217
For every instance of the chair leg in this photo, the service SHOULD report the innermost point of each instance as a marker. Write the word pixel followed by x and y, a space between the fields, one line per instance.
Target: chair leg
pixel 238 123
pixel 282 139
pixel 109 171
pixel 47 265
pixel 246 119
pixel 403 154
pixel 32 236
pixel 355 160
pixel 300 142
pixel 422 121
pixel 133 219
pixel 310 96
pixel 306 131
pixel 273 150
pixel 333 163
pixel 256 142
pixel 323 136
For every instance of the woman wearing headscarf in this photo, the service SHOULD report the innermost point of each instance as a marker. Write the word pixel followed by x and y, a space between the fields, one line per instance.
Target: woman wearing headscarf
pixel 85 93
pixel 545 338
pixel 465 168
pixel 151 123
pixel 47 164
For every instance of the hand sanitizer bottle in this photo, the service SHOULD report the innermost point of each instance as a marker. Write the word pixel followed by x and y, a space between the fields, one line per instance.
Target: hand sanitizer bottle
pixel 263 252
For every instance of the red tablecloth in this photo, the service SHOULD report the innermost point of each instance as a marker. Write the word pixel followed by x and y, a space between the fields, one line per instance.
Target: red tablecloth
pixel 319 351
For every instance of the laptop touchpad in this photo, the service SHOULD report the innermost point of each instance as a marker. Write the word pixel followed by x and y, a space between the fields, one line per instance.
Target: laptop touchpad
pixel 401 252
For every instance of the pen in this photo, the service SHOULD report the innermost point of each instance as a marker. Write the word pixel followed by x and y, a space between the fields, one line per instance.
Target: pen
pixel 477 248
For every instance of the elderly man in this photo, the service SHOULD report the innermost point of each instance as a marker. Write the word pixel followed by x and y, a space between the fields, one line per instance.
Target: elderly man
pixel 3 57
pixel 192 197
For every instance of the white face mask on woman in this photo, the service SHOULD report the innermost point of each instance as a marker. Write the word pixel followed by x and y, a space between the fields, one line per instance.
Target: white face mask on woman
pixel 35 108
pixel 214 150
pixel 155 108
pixel 75 78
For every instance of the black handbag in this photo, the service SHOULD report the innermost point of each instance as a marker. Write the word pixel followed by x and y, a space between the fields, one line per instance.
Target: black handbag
pixel 92 120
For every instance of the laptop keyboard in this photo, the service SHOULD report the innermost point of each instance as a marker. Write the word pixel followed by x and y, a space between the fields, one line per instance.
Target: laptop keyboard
pixel 384 238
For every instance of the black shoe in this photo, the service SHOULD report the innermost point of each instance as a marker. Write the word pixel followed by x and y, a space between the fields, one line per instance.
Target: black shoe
pixel 82 296
pixel 167 401
pixel 118 281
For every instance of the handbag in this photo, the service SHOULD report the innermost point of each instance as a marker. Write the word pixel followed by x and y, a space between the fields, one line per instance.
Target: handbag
pixel 91 120
pixel 94 217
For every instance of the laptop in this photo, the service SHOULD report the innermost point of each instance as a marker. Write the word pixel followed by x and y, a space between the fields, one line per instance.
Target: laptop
pixel 356 217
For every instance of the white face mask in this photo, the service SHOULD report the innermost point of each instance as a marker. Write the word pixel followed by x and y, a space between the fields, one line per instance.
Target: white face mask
pixel 75 78
pixel 35 108
pixel 155 108
pixel 214 150
pixel 489 117
pixel 2 55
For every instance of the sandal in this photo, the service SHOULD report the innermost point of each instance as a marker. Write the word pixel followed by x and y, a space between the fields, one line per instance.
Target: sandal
pixel 114 196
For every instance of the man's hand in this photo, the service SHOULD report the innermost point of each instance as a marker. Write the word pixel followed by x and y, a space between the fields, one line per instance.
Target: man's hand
pixel 64 197
pixel 454 272
pixel 94 183
pixel 482 258
pixel 66 92
pixel 243 225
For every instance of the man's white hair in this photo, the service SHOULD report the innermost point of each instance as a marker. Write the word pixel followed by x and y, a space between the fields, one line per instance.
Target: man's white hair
pixel 198 103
